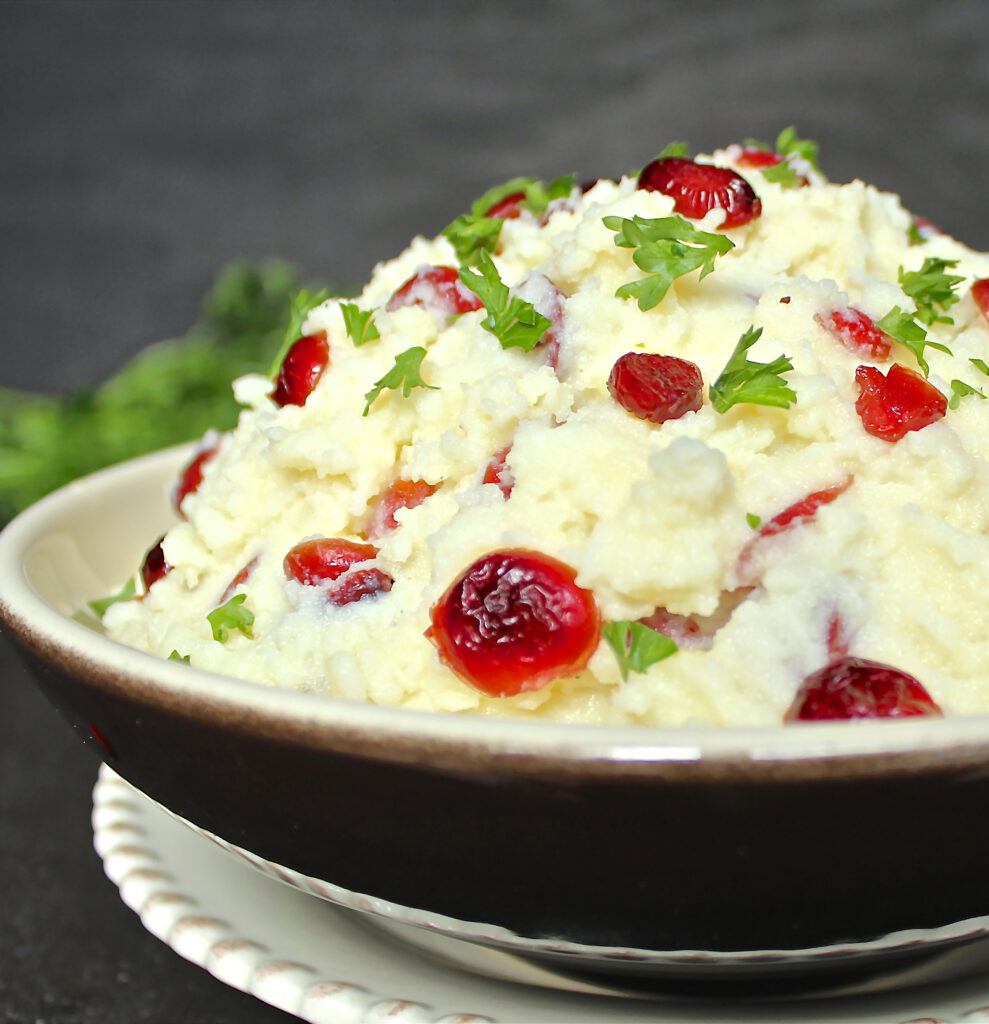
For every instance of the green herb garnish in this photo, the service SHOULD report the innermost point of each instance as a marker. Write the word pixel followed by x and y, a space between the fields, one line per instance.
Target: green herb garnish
pixel 513 321
pixel 680 149
pixel 665 248
pixel 405 374
pixel 755 383
pixel 931 286
pixel 981 365
pixel 125 593
pixel 959 389
pixel 230 616
pixel 359 323
pixel 753 520
pixel 175 656
pixel 303 303
pixel 902 327
pixel 636 645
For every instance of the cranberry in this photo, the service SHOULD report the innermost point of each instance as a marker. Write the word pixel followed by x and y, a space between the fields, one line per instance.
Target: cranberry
pixel 238 581
pixel 893 405
pixel 980 293
pixel 508 208
pixel 497 471
pixel 696 631
pixel 752 156
pixel 514 621
pixel 838 638
pixel 857 332
pixel 191 477
pixel 436 288
pixel 398 494
pixel 330 564
pixel 858 688
pixel 655 387
pixel 154 566
pixel 697 188
pixel 804 509
pixel 301 369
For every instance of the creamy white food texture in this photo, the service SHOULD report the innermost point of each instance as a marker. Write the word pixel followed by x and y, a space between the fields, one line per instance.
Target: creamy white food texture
pixel 649 515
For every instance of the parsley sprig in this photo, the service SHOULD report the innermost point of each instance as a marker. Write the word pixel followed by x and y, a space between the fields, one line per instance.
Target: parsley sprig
pixel 930 287
pixel 512 320
pixel 636 645
pixel 231 616
pixel 665 248
pixel 745 381
pixel 902 327
pixel 126 592
pixel 789 146
pixel 959 389
pixel 359 323
pixel 475 232
pixel 405 374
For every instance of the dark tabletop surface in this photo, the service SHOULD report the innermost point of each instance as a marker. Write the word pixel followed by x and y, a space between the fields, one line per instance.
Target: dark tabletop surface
pixel 145 145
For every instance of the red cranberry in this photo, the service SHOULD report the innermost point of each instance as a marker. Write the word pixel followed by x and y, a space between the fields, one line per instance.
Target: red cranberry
pixel 656 387
pixel 191 477
pixel 804 509
pixel 858 688
pixel 698 188
pixel 508 208
pixel 154 566
pixel 330 564
pixel 513 621
pixel 857 332
pixel 697 631
pixel 980 293
pixel 301 369
pixel 398 494
pixel 239 580
pixel 752 156
pixel 436 288
pixel 497 471
pixel 891 406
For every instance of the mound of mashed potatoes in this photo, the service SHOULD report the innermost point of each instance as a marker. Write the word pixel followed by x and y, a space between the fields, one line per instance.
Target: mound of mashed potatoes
pixel 799 510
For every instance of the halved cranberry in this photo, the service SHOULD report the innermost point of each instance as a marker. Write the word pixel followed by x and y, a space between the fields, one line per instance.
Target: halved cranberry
pixel 436 288
pixel 655 387
pixel 698 188
pixel 514 621
pixel 891 406
pixel 301 369
pixel 497 471
pixel 398 494
pixel 859 688
pixel 857 332
pixel 508 208
pixel 330 563
pixel 191 477
pixel 154 567
pixel 980 292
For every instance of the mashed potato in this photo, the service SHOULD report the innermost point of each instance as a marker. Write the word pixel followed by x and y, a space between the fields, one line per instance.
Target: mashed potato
pixel 765 539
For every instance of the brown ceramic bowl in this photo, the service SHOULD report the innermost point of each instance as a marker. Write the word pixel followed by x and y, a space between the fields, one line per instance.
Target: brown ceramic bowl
pixel 662 856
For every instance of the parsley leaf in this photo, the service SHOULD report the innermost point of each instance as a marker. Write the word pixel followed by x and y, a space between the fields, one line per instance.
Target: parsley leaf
pixel 959 389
pixel 472 233
pixel 903 328
pixel 359 323
pixel 753 520
pixel 788 144
pixel 231 615
pixel 302 304
pixel 125 593
pixel 636 645
pixel 914 235
pixel 405 374
pixel 513 321
pixel 783 175
pixel 980 364
pixel 674 149
pixel 755 383
pixel 665 248
pixel 175 656
pixel 931 286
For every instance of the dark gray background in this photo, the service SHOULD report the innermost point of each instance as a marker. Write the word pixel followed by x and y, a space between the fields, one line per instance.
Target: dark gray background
pixel 144 145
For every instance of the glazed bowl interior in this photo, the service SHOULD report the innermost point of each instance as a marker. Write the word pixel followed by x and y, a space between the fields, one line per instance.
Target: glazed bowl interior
pixel 84 541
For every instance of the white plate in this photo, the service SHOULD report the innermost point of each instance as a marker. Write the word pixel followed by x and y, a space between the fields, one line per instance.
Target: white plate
pixel 327 966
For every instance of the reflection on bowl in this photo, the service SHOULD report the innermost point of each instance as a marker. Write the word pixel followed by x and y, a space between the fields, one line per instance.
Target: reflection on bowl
pixel 664 855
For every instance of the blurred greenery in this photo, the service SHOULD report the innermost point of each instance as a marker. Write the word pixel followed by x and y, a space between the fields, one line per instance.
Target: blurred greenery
pixel 172 391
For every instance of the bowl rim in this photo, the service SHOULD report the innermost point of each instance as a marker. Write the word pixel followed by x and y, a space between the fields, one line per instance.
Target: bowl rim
pixel 398 733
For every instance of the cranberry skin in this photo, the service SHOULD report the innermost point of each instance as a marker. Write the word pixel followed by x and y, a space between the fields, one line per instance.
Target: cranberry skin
pixel 857 332
pixel 891 406
pixel 656 387
pixel 698 188
pixel 301 369
pixel 398 494
pixel 752 156
pixel 191 477
pixel 859 688
pixel 508 208
pixel 514 621
pixel 980 293
pixel 804 509
pixel 436 288
pixel 497 471
pixel 329 563
pixel 154 567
